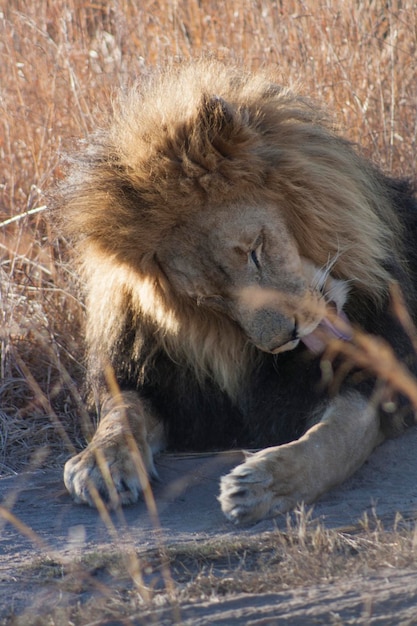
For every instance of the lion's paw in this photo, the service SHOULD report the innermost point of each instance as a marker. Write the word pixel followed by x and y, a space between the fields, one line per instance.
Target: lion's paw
pixel 110 473
pixel 268 483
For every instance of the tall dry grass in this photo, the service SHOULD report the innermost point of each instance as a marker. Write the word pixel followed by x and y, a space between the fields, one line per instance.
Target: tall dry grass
pixel 60 62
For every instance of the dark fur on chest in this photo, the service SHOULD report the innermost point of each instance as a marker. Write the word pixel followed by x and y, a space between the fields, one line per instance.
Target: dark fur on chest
pixel 273 406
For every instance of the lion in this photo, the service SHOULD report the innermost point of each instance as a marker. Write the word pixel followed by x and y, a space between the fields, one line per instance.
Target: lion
pixel 225 232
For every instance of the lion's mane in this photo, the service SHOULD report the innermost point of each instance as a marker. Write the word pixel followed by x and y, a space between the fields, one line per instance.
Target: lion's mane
pixel 198 135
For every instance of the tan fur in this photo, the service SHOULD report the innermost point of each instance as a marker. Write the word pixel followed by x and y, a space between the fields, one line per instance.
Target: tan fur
pixel 299 168
pixel 119 459
pixel 276 479
pixel 204 173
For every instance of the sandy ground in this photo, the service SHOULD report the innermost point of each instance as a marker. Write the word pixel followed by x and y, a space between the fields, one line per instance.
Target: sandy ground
pixel 188 510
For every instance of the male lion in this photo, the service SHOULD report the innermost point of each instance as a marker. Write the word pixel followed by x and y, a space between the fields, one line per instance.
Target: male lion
pixel 225 233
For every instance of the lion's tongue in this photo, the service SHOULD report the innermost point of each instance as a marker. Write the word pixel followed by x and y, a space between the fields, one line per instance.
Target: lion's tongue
pixel 337 328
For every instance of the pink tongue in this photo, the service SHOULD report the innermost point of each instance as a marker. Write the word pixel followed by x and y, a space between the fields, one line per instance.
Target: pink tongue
pixel 338 328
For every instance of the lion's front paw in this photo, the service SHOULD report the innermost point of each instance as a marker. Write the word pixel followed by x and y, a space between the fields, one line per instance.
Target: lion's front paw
pixel 268 483
pixel 111 473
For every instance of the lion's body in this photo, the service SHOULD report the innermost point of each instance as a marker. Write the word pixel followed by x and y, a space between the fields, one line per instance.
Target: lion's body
pixel 216 220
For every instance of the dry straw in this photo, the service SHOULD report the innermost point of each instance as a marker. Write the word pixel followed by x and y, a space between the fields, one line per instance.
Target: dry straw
pixel 59 65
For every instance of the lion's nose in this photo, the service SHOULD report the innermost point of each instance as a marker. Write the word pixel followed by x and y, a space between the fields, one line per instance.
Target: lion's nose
pixel 290 338
pixel 271 330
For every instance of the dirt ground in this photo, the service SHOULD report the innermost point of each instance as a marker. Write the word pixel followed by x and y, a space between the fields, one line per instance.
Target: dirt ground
pixel 38 519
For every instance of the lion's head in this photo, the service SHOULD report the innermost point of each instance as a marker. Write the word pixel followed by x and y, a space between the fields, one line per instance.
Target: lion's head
pixel 242 262
pixel 227 214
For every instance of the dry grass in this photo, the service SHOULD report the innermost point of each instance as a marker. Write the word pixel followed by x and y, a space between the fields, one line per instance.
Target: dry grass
pixel 306 554
pixel 60 61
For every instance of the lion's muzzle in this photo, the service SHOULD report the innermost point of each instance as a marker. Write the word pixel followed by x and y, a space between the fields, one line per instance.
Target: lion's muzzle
pixel 274 320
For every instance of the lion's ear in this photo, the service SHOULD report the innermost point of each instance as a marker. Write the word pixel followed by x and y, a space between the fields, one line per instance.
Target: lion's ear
pixel 220 131
pixel 217 117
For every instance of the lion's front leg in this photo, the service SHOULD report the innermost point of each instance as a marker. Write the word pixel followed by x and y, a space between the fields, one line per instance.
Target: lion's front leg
pixel 117 463
pixel 276 479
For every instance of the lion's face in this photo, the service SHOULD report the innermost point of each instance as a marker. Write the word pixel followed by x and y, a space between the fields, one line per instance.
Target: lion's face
pixel 243 262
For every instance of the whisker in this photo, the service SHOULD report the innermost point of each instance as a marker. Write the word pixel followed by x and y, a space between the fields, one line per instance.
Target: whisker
pixel 323 273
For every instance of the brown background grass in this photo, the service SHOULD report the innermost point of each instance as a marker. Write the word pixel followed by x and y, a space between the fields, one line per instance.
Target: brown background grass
pixel 60 62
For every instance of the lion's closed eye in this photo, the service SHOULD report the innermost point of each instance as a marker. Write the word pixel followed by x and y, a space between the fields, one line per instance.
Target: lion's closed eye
pixel 214 301
pixel 255 256
pixel 257 249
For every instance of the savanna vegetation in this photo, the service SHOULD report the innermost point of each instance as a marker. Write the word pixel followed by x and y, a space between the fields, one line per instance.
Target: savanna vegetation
pixel 61 61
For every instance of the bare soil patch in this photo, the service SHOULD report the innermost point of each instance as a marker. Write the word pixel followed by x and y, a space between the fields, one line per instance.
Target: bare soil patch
pixel 351 559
